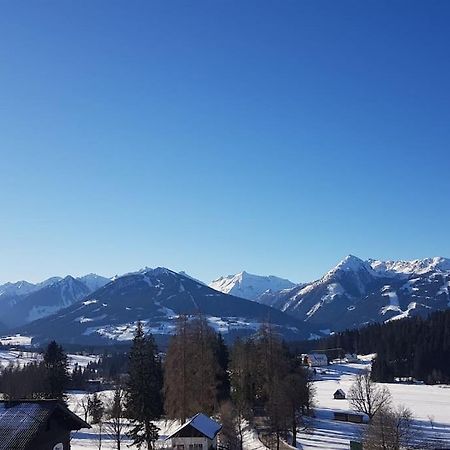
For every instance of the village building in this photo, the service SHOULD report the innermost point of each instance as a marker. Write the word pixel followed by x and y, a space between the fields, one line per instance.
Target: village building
pixel 339 395
pixel 315 360
pixel 198 433
pixel 37 425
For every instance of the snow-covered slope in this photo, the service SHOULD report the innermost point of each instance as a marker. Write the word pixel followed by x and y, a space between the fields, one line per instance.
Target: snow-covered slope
pixel 250 286
pixel 357 292
pixel 23 302
pixel 156 297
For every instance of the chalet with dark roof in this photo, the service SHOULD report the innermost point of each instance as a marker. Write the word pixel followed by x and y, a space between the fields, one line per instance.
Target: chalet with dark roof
pixel 339 395
pixel 37 425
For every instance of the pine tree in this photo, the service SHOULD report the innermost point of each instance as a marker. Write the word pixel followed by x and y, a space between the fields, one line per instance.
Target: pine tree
pixel 77 379
pixel 96 408
pixel 57 374
pixel 144 389
pixel 223 378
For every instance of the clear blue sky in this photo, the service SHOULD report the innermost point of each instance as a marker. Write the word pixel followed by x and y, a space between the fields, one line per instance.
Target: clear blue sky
pixel 214 136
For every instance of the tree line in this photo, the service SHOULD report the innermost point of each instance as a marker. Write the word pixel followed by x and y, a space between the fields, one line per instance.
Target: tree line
pixel 256 379
pixel 417 348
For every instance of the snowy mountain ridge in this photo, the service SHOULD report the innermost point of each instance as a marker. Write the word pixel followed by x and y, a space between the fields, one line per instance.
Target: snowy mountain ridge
pixel 249 286
pixel 351 294
pixel 417 266
pixel 357 292
pixel 156 297
pixel 19 288
pixel 23 302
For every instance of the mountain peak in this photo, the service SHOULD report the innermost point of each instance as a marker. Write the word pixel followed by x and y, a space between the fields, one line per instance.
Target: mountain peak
pixel 159 271
pixel 350 263
pixel 68 278
pixel 249 286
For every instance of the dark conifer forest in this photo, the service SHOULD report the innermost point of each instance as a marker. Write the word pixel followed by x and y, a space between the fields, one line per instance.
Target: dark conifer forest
pixel 415 348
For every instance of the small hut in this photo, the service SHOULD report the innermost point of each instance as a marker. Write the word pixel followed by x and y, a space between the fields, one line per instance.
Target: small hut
pixel 339 395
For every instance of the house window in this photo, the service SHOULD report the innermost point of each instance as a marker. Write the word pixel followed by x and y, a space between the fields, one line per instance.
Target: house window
pixel 195 446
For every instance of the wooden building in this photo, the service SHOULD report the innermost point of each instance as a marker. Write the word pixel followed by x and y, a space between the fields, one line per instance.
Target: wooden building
pixel 198 433
pixel 349 417
pixel 339 395
pixel 37 425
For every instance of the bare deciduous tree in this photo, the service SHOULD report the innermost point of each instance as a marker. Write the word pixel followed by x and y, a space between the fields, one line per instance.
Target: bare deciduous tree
pixel 115 412
pixel 229 435
pixel 368 397
pixel 390 429
pixel 85 404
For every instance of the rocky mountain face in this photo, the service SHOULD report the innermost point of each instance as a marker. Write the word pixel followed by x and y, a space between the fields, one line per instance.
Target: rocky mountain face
pixel 357 292
pixel 157 297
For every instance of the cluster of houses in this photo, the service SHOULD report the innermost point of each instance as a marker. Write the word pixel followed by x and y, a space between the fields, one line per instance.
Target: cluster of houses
pixel 47 424
pixel 321 359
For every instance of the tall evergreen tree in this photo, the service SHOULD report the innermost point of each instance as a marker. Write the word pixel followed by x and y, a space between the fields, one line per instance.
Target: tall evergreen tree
pixel 96 408
pixel 223 377
pixel 57 373
pixel 144 389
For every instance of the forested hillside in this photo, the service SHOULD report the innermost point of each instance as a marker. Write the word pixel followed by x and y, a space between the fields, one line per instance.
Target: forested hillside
pixel 415 347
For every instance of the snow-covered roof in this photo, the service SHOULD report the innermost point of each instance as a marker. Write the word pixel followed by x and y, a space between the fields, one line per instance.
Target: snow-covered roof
pixel 201 423
pixel 21 421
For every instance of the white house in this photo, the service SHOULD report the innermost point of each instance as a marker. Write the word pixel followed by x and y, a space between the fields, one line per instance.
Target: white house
pixel 315 360
pixel 198 433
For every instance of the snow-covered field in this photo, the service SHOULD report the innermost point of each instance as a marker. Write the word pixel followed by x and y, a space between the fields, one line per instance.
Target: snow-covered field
pixel 16 339
pixel 429 404
pixel 89 439
pixel 23 358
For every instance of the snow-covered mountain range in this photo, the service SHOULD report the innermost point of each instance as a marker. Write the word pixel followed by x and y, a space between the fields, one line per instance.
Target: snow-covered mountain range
pixel 353 293
pixel 358 292
pixel 249 286
pixel 156 297
pixel 23 302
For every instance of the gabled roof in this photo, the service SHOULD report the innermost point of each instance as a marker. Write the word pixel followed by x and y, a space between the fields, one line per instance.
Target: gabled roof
pixel 203 424
pixel 339 391
pixel 21 421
